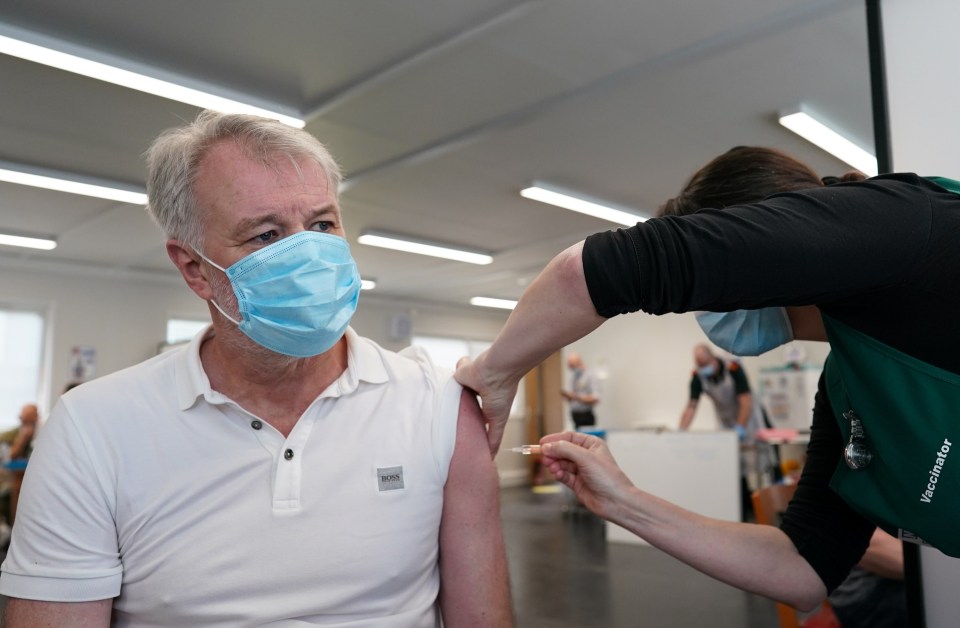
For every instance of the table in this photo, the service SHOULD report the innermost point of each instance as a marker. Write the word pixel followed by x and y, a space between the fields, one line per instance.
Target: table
pixel 788 445
pixel 699 471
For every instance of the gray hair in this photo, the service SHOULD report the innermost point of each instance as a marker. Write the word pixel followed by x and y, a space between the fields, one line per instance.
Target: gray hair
pixel 173 161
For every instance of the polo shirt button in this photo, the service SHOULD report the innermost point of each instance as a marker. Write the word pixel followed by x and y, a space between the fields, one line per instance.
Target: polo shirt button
pixel 288 454
pixel 256 424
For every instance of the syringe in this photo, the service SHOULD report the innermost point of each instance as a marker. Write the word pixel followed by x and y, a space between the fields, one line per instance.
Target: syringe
pixel 526 450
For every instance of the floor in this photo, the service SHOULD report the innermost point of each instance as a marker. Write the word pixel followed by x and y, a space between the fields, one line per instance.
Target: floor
pixel 564 575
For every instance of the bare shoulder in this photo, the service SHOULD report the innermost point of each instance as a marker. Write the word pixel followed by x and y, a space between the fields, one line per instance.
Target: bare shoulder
pixel 472 473
pixel 471 431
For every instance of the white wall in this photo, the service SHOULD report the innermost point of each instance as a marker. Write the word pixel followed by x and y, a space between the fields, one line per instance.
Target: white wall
pixel 921 49
pixel 645 363
pixel 375 313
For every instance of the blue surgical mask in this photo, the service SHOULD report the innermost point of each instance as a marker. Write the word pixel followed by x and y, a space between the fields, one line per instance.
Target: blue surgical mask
pixel 708 370
pixel 747 332
pixel 296 296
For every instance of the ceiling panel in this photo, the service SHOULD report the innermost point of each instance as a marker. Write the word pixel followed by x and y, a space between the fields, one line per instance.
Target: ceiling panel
pixel 44 212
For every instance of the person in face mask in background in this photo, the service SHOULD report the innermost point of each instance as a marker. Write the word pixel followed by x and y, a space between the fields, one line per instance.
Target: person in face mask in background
pixel 281 469
pixel 870 266
pixel 725 383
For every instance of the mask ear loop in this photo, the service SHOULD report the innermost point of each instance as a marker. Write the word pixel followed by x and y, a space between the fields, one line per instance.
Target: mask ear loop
pixel 786 319
pixel 225 315
pixel 224 271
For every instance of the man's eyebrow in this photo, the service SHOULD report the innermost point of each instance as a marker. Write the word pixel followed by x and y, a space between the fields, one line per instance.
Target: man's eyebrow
pixel 329 212
pixel 250 224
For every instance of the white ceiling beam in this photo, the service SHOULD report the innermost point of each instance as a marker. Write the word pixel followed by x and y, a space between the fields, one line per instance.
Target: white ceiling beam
pixel 72 183
pixel 422 56
pixel 34 263
pixel 121 71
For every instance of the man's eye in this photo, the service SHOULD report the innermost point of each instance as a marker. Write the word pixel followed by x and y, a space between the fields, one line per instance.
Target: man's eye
pixel 322 225
pixel 265 237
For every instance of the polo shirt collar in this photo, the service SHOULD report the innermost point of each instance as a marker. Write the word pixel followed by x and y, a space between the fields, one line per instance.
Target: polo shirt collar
pixel 364 364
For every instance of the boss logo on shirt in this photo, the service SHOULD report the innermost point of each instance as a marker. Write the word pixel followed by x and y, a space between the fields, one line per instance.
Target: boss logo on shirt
pixel 390 478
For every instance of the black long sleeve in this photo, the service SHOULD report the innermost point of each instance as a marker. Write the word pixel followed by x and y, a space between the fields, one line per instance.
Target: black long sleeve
pixel 879 255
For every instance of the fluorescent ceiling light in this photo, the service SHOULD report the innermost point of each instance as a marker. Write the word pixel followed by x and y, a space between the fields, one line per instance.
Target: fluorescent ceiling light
pixel 503 304
pixel 812 130
pixel 27 242
pixel 367 284
pixel 422 247
pixel 553 195
pixel 73 187
pixel 133 80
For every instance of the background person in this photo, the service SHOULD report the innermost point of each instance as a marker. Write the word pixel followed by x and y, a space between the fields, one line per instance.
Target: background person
pixel 583 392
pixel 872 264
pixel 20 439
pixel 19 445
pixel 725 383
pixel 280 469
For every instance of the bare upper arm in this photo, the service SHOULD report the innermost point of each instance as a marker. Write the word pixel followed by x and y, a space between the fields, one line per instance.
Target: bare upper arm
pixel 474 588
pixel 20 613
pixel 472 491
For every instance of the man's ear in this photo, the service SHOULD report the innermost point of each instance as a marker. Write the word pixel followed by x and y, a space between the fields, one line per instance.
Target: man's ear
pixel 191 269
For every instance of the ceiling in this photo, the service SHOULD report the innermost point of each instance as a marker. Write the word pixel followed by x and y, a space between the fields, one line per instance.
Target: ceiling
pixel 438 111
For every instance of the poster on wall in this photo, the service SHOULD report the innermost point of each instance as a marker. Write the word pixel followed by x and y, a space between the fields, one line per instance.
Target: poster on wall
pixel 83 363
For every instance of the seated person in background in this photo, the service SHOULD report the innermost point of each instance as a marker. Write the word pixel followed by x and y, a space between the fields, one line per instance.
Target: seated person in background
pixel 20 439
pixel 19 442
pixel 280 469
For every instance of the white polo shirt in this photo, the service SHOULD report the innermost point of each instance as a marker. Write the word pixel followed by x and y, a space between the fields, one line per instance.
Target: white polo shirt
pixel 150 485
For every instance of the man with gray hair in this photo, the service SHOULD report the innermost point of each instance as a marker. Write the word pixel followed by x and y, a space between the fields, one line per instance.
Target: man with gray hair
pixel 279 470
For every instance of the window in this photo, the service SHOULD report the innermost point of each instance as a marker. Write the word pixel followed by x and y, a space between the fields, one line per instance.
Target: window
pixel 446 351
pixel 180 330
pixel 21 361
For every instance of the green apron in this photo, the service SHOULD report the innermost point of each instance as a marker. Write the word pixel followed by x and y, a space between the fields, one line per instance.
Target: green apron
pixel 906 414
pixel 950 185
